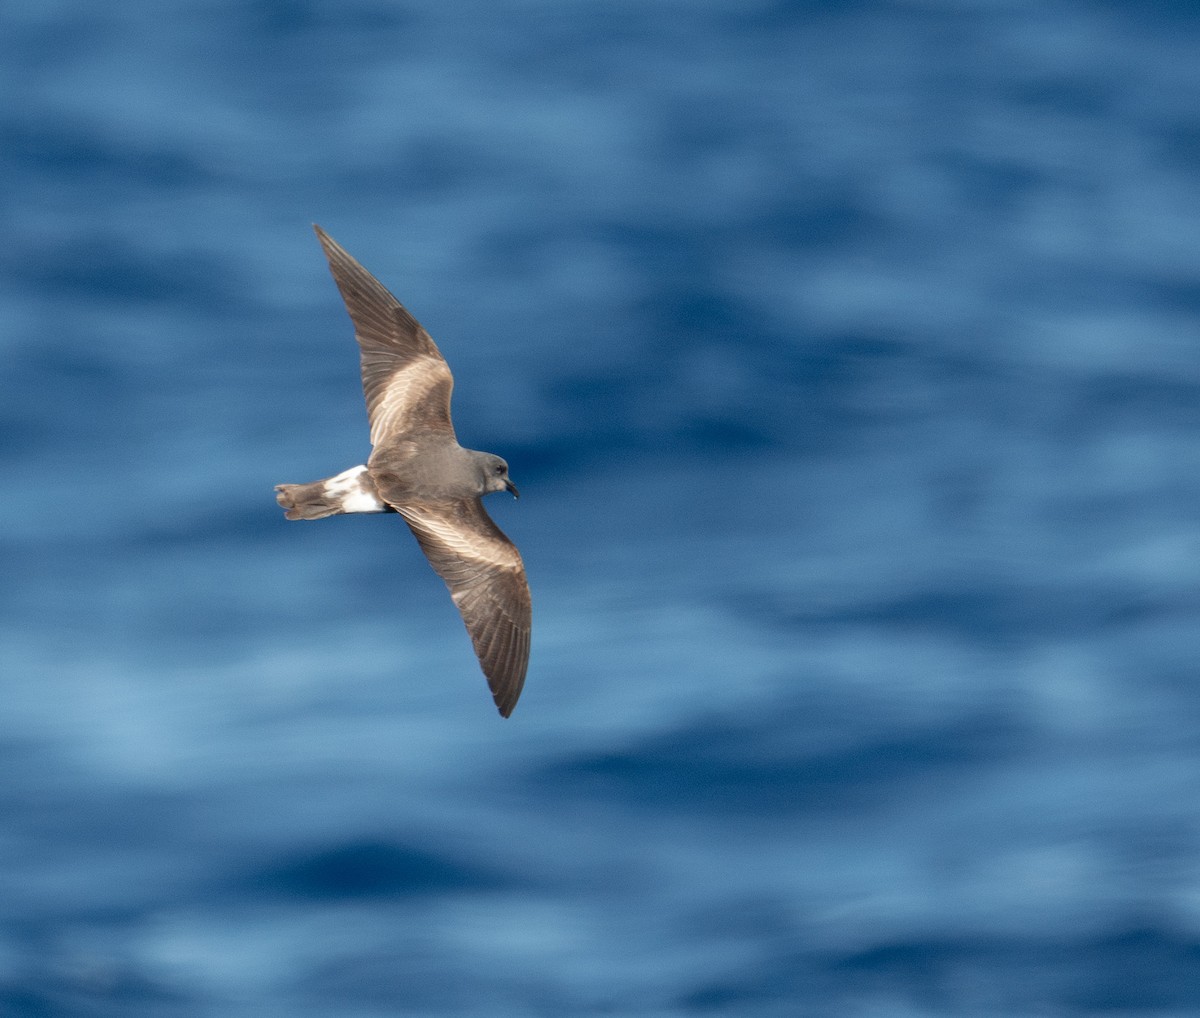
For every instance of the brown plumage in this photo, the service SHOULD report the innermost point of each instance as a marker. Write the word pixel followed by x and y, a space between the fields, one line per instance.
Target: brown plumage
pixel 418 469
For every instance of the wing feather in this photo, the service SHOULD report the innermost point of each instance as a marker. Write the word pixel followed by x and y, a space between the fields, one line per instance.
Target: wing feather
pixel 486 577
pixel 406 381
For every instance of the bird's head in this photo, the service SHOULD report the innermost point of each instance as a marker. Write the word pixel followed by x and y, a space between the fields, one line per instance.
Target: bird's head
pixel 495 475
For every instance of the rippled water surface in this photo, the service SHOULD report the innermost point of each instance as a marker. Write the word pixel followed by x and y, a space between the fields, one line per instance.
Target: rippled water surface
pixel 847 357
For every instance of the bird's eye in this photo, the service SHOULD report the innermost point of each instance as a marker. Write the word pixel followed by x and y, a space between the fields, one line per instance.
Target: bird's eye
pixel 500 468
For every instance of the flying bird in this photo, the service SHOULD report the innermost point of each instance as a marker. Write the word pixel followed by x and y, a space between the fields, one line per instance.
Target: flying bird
pixel 418 469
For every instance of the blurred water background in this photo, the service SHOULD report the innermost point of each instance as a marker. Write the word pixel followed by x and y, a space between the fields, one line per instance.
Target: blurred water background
pixel 846 355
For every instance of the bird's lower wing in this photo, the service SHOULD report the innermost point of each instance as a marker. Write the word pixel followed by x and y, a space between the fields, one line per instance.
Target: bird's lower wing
pixel 486 577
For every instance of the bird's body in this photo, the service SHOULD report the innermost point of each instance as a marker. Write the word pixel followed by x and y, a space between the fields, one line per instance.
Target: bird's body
pixel 418 469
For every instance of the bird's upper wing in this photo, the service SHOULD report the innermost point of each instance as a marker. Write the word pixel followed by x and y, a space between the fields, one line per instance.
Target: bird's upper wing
pixel 486 577
pixel 405 378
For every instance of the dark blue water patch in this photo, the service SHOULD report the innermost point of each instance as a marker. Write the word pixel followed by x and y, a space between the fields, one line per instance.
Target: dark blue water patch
pixel 664 253
pixel 725 434
pixel 1180 144
pixel 1144 970
pixel 782 766
pixel 167 367
pixel 93 390
pixel 265 19
pixel 587 49
pixel 765 21
pixel 220 625
pixel 221 522
pixel 106 268
pixel 72 152
pixel 1086 285
pixel 1157 15
pixel 690 253
pixel 758 989
pixel 83 988
pixel 711 379
pixel 1148 970
pixel 429 165
pixel 1068 94
pixel 55 41
pixel 79 408
pixel 685 133
pixel 19 433
pixel 926 970
pixel 371 869
pixel 420 978
pixel 104 819
pixel 437 165
pixel 827 218
pixel 1172 290
pixel 687 315
pixel 606 419
pixel 997 185
pixel 989 610
pixel 284 30
pixel 1075 410
pixel 1146 967
pixel 206 602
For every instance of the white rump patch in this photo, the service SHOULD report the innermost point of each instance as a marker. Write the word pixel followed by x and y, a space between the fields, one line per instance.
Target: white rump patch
pixel 350 492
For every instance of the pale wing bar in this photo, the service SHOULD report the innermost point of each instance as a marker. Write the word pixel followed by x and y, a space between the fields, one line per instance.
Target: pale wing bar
pixel 486 578
pixel 405 378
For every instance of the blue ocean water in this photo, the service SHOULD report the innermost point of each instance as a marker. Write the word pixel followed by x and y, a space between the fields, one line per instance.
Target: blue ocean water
pixel 847 357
